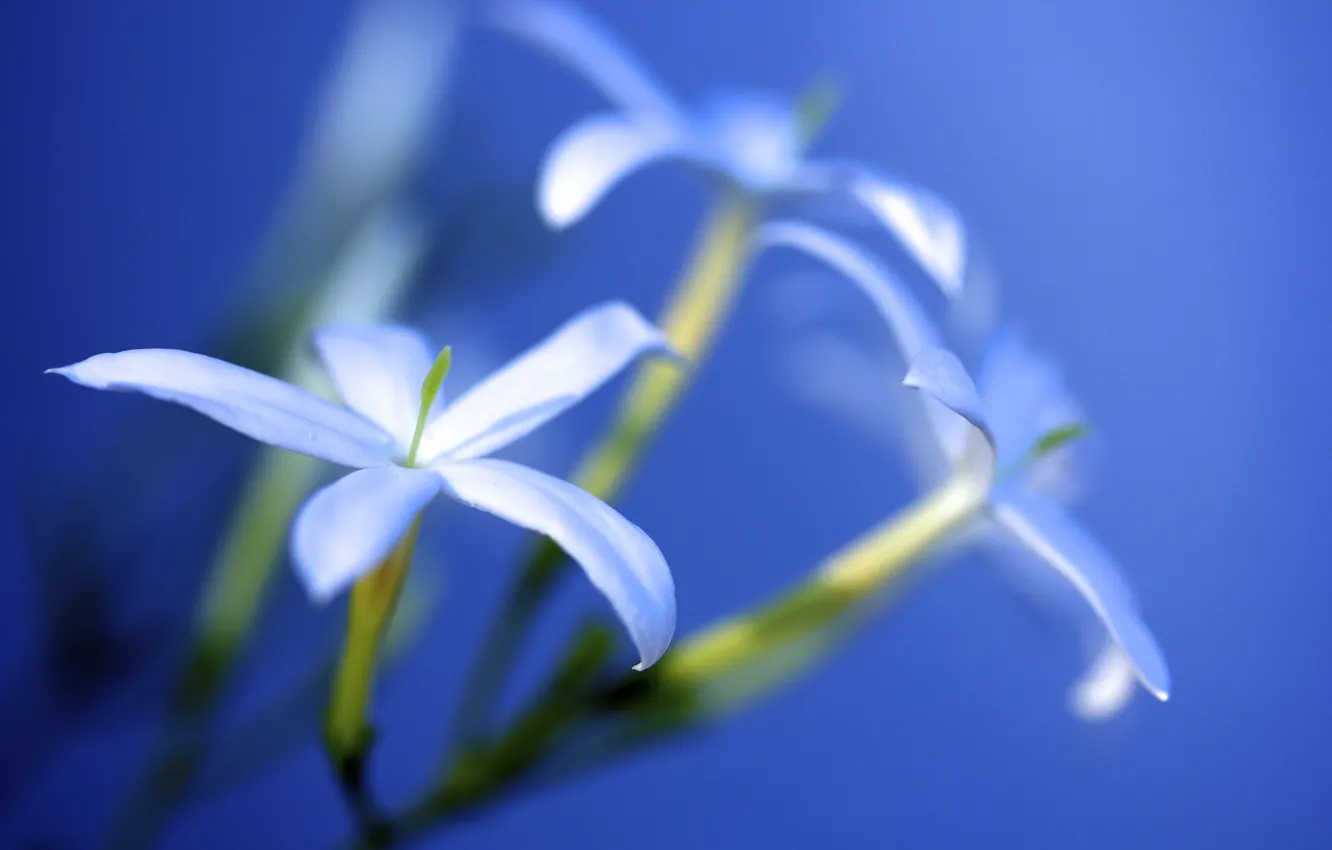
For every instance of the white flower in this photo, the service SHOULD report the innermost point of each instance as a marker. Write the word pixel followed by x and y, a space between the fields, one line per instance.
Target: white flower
pixel 995 430
pixel 753 141
pixel 406 450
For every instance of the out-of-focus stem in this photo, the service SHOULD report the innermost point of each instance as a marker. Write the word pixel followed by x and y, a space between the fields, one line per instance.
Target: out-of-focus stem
pixel 682 690
pixel 245 567
pixel 694 314
pixel 367 281
pixel 235 591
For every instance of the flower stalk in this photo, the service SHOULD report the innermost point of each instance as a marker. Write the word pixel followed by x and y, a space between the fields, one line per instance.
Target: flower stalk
pixel 374 598
pixel 846 581
pixel 347 733
pixel 695 312
pixel 694 315
pixel 250 552
pixel 707 675
pixel 246 564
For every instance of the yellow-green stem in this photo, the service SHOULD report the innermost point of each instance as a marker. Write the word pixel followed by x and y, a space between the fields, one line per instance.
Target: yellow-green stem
pixel 695 312
pixel 369 612
pixel 717 657
pixel 853 576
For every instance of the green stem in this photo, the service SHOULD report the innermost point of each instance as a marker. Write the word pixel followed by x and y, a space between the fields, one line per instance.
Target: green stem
pixel 244 570
pixel 691 320
pixel 252 548
pixel 707 675
pixel 347 732
pixel 849 579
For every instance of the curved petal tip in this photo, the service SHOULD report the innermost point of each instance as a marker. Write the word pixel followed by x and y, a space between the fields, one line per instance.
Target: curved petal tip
pixel 938 373
pixel 926 225
pixel 618 558
pixel 590 158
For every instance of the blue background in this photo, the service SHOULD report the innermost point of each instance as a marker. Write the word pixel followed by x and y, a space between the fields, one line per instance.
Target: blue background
pixel 1151 181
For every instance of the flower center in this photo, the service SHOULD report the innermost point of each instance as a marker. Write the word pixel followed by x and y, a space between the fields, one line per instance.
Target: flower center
pixel 434 379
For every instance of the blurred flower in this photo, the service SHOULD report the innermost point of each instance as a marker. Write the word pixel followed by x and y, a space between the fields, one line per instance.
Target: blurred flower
pixel 1004 436
pixel 753 141
pixel 348 527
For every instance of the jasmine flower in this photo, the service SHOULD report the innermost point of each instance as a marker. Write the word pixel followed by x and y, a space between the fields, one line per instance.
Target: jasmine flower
pixel 995 435
pixel 752 141
pixel 407 447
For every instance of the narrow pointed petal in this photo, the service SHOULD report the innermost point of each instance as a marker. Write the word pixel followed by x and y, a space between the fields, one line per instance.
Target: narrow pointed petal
pixel 1044 528
pixel 539 384
pixel 938 373
pixel 269 410
pixel 619 559
pixel 926 225
pixel 378 370
pixel 1026 398
pixel 911 327
pixel 1106 688
pixel 584 45
pixel 591 157
pixel 348 527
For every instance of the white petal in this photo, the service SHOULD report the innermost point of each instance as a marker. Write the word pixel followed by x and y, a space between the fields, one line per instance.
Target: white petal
pixel 619 559
pixel 1052 535
pixel 846 382
pixel 547 379
pixel 348 527
pixel 928 227
pixel 580 42
pixel 938 372
pixel 910 327
pixel 256 405
pixel 1106 688
pixel 589 158
pixel 1026 399
pixel 378 370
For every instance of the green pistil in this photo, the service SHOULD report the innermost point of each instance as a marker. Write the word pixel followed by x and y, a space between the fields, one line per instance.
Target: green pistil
pixel 429 391
pixel 1049 443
